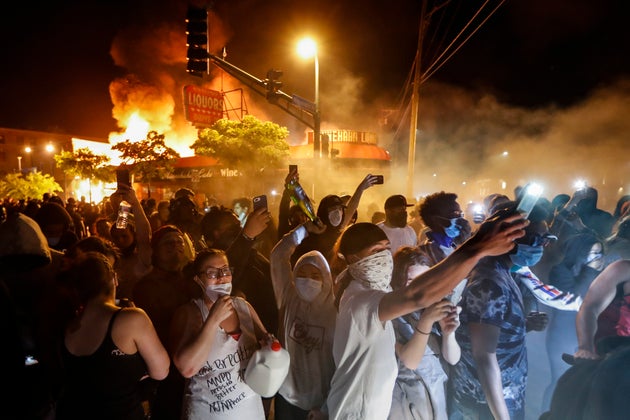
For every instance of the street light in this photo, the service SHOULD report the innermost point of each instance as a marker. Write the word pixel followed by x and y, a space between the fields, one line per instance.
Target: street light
pixel 307 48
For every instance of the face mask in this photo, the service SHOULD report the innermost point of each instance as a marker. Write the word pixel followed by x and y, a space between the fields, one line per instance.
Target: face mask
pixel 399 219
pixel 453 230
pixel 374 271
pixel 308 289
pixel 335 217
pixel 526 255
pixel 215 291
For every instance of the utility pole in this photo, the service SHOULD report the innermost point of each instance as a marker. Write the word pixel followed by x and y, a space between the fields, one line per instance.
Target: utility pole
pixel 415 99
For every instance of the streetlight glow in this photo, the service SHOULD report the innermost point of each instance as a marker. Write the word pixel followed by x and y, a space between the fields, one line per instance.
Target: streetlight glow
pixel 50 148
pixel 307 48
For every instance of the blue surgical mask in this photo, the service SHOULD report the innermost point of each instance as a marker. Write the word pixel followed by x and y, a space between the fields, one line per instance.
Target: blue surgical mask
pixel 526 255
pixel 453 230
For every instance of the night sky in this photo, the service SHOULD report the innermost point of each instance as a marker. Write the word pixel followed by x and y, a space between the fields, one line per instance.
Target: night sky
pixel 57 65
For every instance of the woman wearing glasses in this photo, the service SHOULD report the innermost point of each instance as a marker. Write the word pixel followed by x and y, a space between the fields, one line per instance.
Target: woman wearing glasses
pixel 213 338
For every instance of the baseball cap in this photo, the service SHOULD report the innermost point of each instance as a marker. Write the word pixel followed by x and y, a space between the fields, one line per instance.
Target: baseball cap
pixel 396 201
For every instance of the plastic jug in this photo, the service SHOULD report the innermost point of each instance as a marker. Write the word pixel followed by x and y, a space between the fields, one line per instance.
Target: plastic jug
pixel 267 369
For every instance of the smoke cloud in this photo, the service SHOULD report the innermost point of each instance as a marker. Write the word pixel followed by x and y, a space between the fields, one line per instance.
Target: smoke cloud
pixel 462 133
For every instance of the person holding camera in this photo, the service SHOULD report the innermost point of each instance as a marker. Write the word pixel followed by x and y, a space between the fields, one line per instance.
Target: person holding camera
pixel 363 350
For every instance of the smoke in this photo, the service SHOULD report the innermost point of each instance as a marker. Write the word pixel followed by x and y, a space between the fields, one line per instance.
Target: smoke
pixel 463 137
pixel 462 134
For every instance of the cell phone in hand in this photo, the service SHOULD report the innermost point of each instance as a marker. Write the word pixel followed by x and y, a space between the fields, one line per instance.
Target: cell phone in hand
pixel 260 201
pixel 379 179
pixel 122 177
pixel 456 295
pixel 292 168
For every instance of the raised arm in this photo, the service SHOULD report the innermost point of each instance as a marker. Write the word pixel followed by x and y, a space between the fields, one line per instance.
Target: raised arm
pixel 285 205
pixel 600 294
pixel 143 227
pixel 495 237
pixel 280 259
pixel 353 204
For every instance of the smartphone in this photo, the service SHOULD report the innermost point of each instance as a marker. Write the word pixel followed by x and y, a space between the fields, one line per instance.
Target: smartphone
pixel 292 168
pixel 260 201
pixel 529 199
pixel 456 295
pixel 379 179
pixel 122 177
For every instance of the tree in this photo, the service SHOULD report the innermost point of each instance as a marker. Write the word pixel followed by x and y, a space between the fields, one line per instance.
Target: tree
pixel 249 145
pixel 32 185
pixel 149 158
pixel 85 164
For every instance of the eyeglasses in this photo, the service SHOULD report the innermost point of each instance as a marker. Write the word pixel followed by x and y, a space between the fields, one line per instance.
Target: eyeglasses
pixel 542 240
pixel 217 273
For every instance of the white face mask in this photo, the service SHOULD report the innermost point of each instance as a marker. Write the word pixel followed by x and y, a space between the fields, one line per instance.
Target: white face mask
pixel 374 271
pixel 335 217
pixel 215 291
pixel 308 289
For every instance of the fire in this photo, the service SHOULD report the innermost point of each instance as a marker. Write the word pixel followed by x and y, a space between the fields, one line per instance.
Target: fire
pixel 137 129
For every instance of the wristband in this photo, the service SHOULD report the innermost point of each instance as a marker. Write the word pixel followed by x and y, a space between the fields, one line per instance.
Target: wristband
pixel 247 237
pixel 421 332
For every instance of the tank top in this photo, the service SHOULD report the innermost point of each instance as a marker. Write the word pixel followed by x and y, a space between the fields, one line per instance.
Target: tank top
pixel 104 384
pixel 218 390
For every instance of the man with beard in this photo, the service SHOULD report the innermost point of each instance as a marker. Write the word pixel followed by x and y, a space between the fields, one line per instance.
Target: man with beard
pixel 395 225
pixel 160 292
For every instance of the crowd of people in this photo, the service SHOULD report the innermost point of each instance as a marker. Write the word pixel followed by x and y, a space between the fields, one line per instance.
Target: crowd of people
pixel 401 317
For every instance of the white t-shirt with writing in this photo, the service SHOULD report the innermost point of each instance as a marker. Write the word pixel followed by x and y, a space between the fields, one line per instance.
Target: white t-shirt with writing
pixel 218 390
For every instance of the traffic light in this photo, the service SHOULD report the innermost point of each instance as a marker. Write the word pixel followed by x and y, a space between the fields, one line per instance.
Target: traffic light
pixel 197 41
pixel 272 82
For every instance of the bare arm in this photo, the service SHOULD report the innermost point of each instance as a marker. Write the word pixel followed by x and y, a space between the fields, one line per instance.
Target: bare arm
pixel 147 342
pixel 451 352
pixel 483 339
pixel 143 227
pixel 193 339
pixel 411 353
pixel 495 237
pixel 600 293
pixel 353 204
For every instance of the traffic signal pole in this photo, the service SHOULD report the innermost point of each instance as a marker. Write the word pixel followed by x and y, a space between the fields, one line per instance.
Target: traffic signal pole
pixel 198 64
pixel 299 108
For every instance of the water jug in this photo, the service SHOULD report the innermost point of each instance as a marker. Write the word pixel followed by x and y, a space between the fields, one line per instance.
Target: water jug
pixel 267 369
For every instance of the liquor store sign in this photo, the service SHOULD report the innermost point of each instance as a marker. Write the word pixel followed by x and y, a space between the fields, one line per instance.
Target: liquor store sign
pixel 202 106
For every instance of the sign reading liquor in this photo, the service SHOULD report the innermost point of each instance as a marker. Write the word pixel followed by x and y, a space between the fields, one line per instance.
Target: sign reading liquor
pixel 202 106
